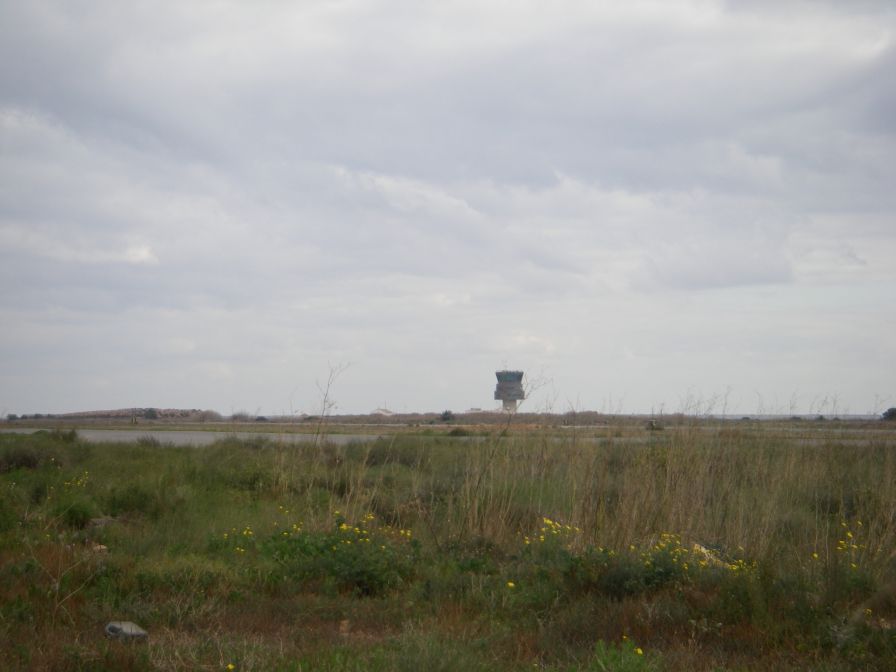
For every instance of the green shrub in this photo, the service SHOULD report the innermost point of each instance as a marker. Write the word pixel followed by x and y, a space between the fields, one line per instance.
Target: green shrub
pixel 133 498
pixel 75 514
pixel 18 457
pixel 665 562
pixel 623 576
pixel 38 492
pixel 64 435
pixel 387 451
pixel 586 571
pixel 362 559
pixel 740 597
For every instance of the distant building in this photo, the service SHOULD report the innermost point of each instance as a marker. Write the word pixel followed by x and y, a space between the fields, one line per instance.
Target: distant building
pixel 381 411
pixel 509 390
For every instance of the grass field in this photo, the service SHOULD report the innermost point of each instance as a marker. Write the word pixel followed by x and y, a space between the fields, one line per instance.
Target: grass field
pixel 735 546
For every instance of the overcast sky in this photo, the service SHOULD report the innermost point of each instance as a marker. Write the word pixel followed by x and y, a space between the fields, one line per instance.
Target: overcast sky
pixel 646 205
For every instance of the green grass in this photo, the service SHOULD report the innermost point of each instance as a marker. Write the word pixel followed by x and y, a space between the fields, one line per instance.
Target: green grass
pixel 702 548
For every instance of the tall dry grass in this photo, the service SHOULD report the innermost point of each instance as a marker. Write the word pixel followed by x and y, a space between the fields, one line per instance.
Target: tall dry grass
pixel 773 495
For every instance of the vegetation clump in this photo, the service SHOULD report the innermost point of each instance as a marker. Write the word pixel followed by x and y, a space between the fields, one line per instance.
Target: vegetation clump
pixel 699 548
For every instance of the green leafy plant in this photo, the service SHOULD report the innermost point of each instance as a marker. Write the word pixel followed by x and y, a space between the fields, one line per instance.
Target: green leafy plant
pixel 364 559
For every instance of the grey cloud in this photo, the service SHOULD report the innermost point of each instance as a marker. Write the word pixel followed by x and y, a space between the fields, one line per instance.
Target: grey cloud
pixel 712 266
pixel 430 188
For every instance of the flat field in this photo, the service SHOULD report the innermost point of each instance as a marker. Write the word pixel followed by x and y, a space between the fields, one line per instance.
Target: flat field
pixel 696 546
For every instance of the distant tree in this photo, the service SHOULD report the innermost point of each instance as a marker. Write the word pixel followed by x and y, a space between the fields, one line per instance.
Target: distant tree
pixel 447 416
pixel 889 414
pixel 151 414
pixel 209 416
pixel 12 416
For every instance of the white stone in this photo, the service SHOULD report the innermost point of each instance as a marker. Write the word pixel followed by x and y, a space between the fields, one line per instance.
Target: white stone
pixel 125 630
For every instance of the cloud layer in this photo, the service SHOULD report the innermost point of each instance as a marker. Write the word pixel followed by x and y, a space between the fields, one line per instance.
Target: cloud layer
pixel 650 204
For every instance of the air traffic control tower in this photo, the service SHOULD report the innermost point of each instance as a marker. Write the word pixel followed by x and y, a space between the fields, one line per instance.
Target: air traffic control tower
pixel 509 389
